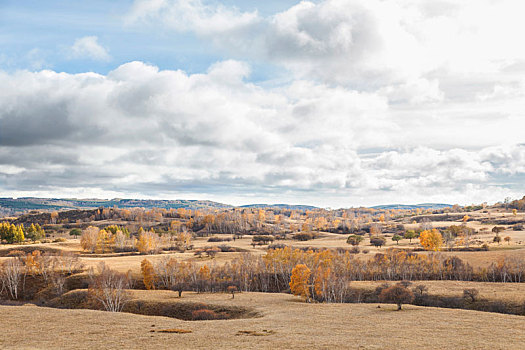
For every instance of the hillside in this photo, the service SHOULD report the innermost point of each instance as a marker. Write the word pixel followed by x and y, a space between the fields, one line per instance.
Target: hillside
pixel 13 206
pixel 286 323
pixel 412 206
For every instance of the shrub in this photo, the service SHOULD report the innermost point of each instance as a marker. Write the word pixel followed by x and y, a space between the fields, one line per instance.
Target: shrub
pixel 219 239
pixel 518 227
pixel 354 240
pixel 225 248
pixel 303 236
pixel 277 246
pixel 75 232
pixel 59 240
pixel 397 294
pixel 377 241
pixel 264 239
pixel 354 250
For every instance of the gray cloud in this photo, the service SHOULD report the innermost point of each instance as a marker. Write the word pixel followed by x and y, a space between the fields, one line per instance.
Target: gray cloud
pixel 378 108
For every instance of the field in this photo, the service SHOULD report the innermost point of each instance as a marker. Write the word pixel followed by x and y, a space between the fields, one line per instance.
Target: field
pixel 274 320
pixel 286 323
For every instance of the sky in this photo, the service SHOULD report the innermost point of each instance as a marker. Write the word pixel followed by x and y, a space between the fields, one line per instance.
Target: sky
pixel 333 103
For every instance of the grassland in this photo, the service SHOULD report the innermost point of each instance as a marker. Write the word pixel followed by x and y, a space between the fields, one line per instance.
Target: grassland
pixel 286 323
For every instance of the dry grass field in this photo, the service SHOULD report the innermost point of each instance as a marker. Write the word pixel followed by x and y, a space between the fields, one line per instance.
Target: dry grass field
pixel 286 323
pixel 487 290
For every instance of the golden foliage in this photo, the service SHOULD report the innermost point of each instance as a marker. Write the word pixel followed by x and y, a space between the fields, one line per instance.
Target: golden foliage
pixel 431 239
pixel 299 281
pixel 148 273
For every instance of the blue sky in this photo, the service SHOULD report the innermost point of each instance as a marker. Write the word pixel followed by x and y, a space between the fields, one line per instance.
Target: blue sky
pixel 334 103
pixel 49 27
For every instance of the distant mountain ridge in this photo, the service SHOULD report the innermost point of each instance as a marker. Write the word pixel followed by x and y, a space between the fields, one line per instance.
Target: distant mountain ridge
pixel 413 206
pixel 280 206
pixel 32 203
pixel 23 204
pixel 19 205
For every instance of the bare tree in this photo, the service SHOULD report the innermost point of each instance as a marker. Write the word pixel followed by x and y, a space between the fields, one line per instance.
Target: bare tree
pixel 11 275
pixel 109 288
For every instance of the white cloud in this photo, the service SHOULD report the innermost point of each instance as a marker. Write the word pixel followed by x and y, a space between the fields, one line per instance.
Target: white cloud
pixel 365 43
pixel 88 48
pixel 163 133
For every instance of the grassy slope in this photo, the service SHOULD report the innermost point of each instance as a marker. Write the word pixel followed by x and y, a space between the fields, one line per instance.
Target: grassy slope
pixel 296 325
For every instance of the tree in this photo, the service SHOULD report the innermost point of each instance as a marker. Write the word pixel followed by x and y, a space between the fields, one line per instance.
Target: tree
pixel 397 294
pixel 377 241
pixel 11 273
pixel 514 212
pixel 498 229
pixel 410 234
pixel 148 242
pixel 109 288
pixel 34 232
pixel 431 239
pixel 354 240
pixel 88 240
pixel 299 281
pixel 75 232
pixel 232 290
pixel 420 289
pixel 396 238
pixel 497 239
pixel 148 273
pixel 19 235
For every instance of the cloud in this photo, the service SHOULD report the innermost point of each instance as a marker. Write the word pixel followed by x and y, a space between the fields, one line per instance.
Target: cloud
pixel 141 131
pixel 88 48
pixel 369 44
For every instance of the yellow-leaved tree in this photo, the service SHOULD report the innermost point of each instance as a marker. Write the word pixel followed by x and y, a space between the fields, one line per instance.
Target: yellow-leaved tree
pixel 431 239
pixel 299 281
pixel 148 273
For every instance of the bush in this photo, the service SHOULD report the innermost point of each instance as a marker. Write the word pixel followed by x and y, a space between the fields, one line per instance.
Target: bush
pixel 264 239
pixel 354 250
pixel 518 227
pixel 219 239
pixel 354 240
pixel 277 246
pixel 75 232
pixel 59 240
pixel 303 236
pixel 226 248
pixel 377 241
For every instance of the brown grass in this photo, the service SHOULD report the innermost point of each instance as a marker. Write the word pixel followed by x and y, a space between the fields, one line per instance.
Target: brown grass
pixel 511 292
pixel 296 325
pixel 174 330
